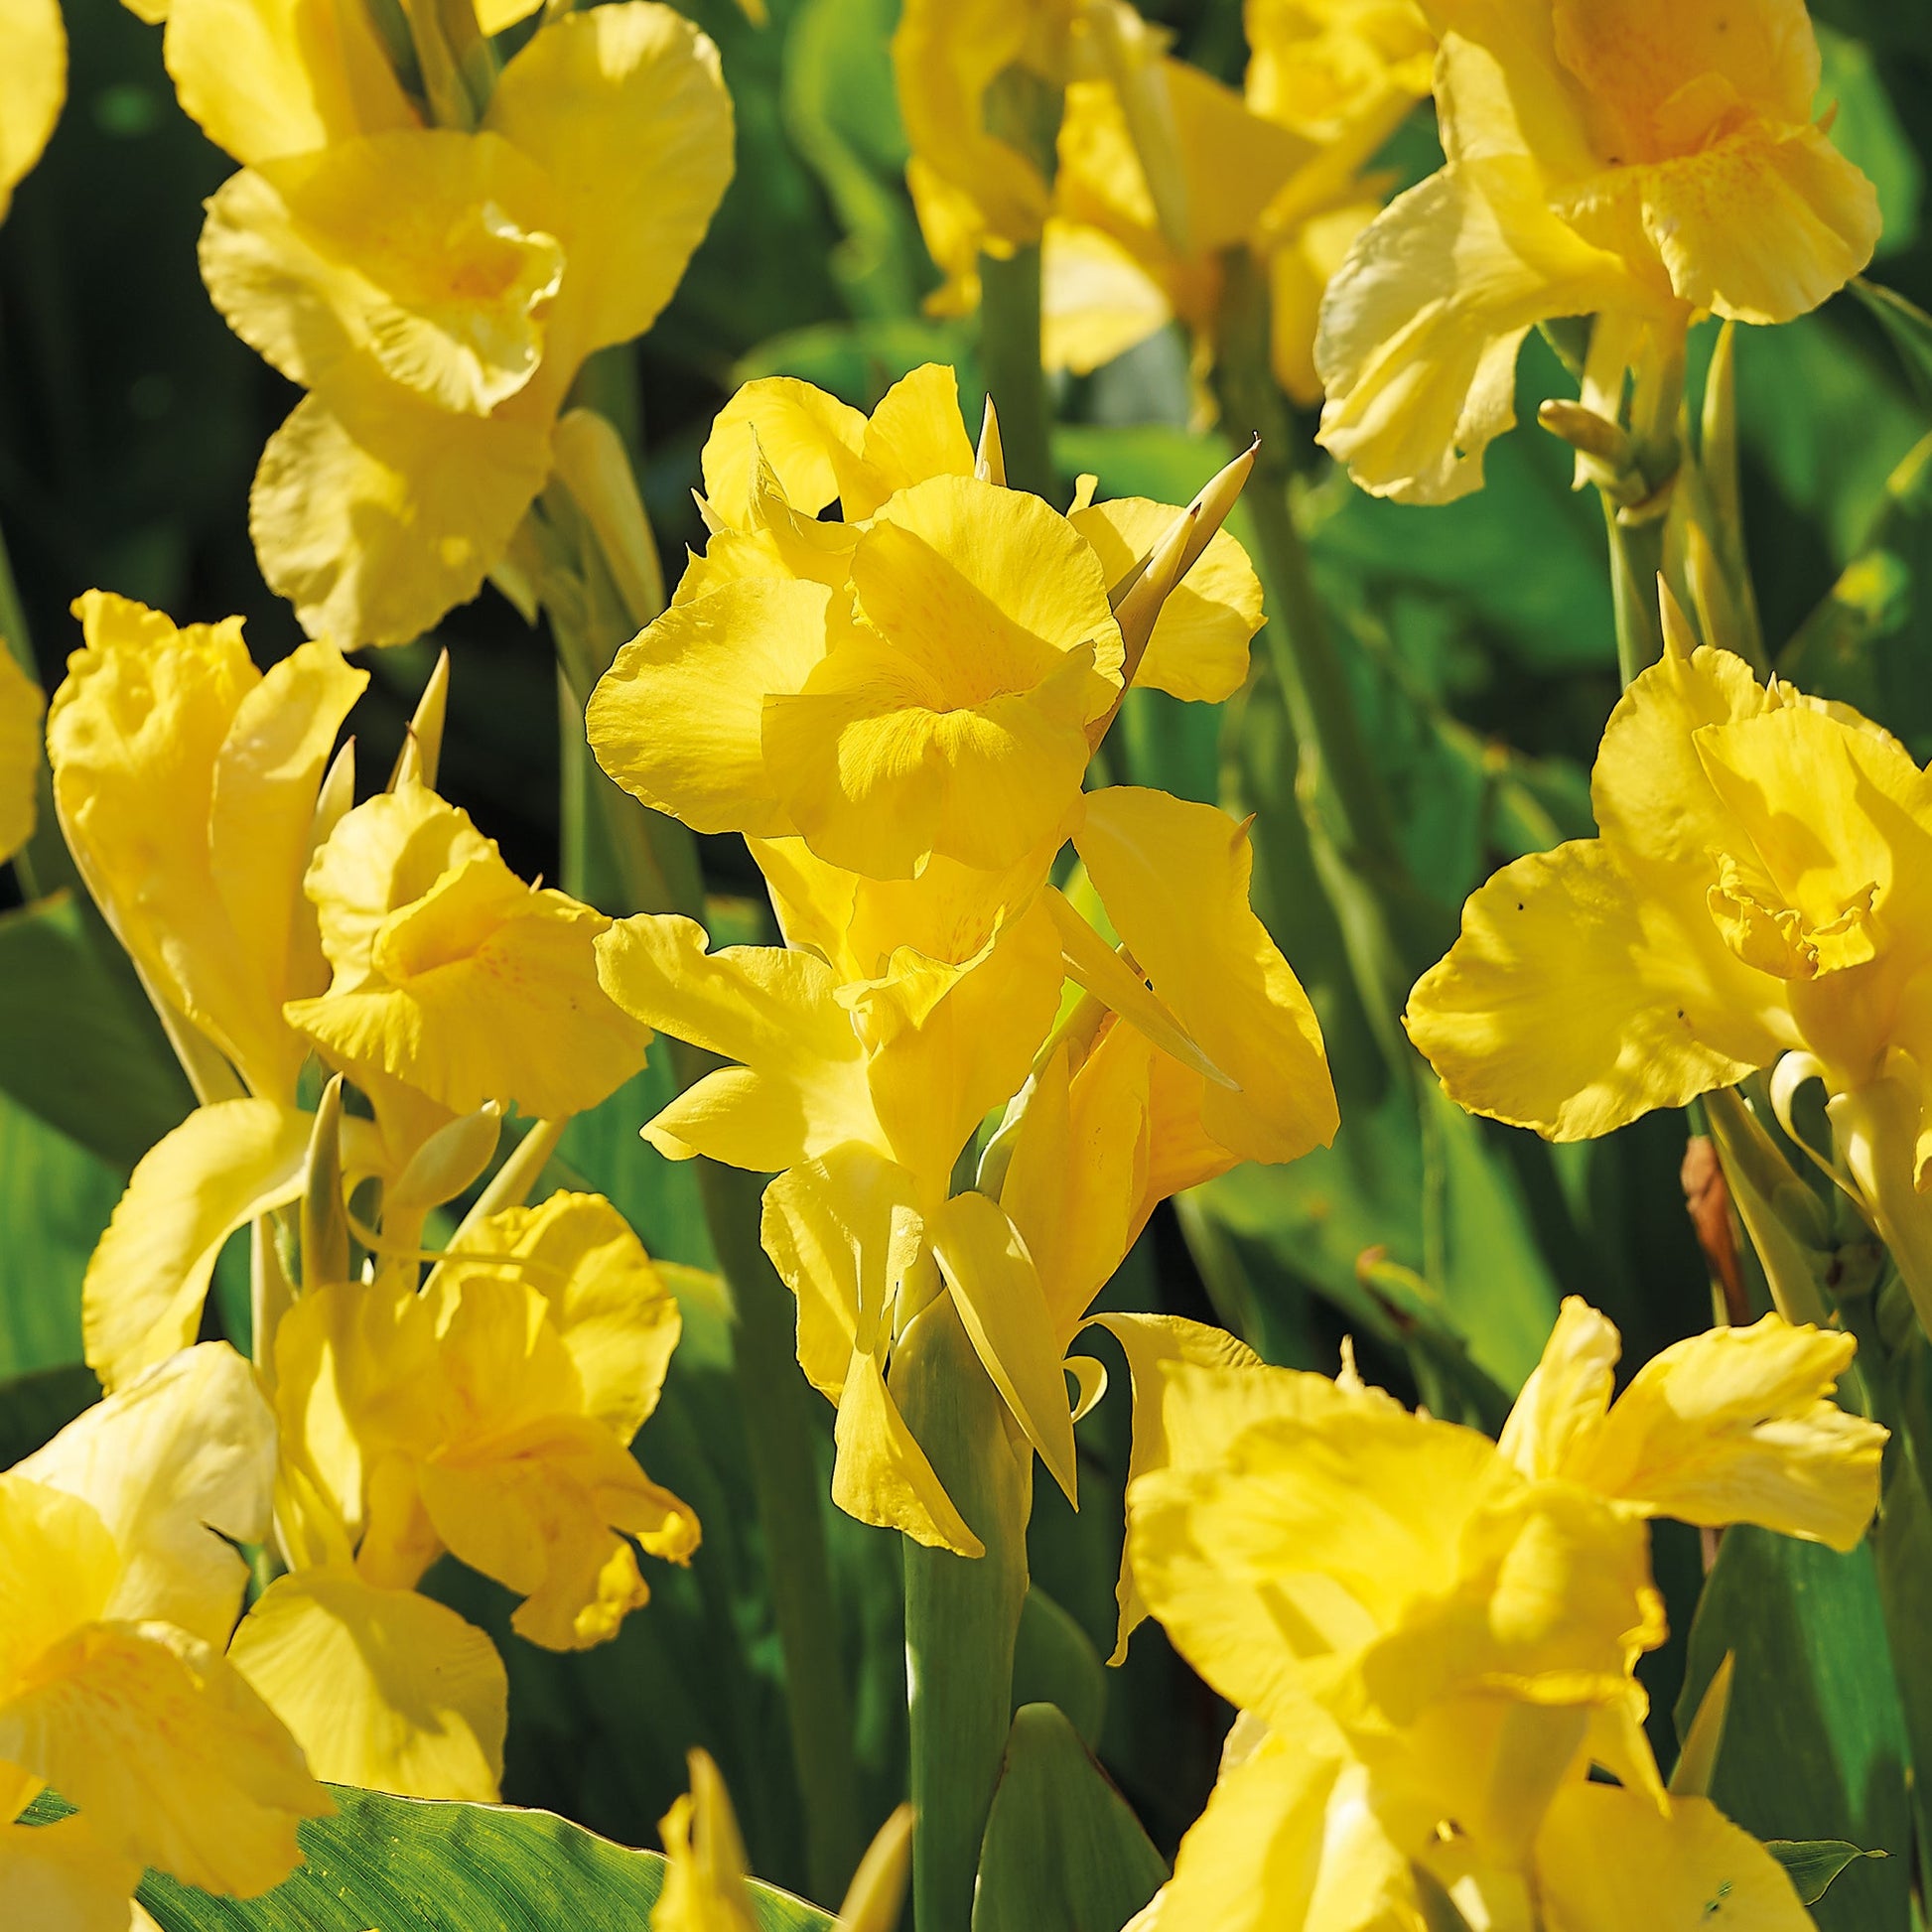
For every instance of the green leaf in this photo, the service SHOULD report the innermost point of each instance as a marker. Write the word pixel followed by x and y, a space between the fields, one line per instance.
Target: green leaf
pixel 1054 1662
pixel 1812 1863
pixel 1063 1852
pixel 401 1865
pixel 70 1049
pixel 1907 325
pixel 35 1408
pixel 1813 1744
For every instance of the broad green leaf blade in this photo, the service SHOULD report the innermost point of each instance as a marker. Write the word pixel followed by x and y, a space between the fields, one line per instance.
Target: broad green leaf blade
pixel 71 1050
pixel 1054 1662
pixel 397 1864
pixel 35 1408
pixel 1909 328
pixel 1063 1852
pixel 1813 1744
pixel 1812 1863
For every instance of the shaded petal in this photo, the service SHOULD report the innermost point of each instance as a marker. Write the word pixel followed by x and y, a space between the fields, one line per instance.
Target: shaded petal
pixel 882 1475
pixel 624 108
pixel 375 513
pixel 179 1466
pixel 1572 1003
pixel 174 1760
pixel 20 706
pixel 1420 328
pixel 1174 876
pixel 60 1878
pixel 221 1168
pixel 267 77
pixel 1738 1425
pixel 383 1689
pixel 678 719
pixel 704 1872
pixel 1096 300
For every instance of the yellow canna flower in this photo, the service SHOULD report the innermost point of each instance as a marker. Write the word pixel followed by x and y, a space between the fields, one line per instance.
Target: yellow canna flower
pixel 706 1881
pixel 20 705
pixel 1628 159
pixel 451 975
pixel 435 290
pixel 119 1587
pixel 32 86
pixel 1756 893
pixel 1431 1635
pixel 489 1415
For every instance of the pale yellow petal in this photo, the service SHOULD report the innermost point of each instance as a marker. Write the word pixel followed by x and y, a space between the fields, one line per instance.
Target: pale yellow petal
pixel 882 1475
pixel 170 1755
pixel 267 77
pixel 381 1688
pixel 1096 300
pixel 33 86
pixel 624 108
pixel 916 434
pixel 1174 876
pixel 20 706
pixel 810 440
pixel 179 1466
pixel 678 719
pixel 1573 1002
pixel 216 1172
pixel 62 1567
pixel 60 1878
pixel 1559 1412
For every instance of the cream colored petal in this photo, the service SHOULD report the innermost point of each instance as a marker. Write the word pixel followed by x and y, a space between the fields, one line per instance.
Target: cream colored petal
pixel 179 1465
pixel 678 719
pixel 882 1475
pixel 1573 1002
pixel 375 513
pixel 267 77
pixel 625 110
pixel 216 1172
pixel 172 1758
pixel 382 1689
pixel 1420 329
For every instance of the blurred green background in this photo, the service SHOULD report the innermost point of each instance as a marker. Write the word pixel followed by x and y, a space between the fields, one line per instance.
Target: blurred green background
pixel 1480 649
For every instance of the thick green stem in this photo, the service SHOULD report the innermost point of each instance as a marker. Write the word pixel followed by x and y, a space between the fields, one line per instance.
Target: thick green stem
pixel 1009 357
pixel 1636 556
pixel 962 1613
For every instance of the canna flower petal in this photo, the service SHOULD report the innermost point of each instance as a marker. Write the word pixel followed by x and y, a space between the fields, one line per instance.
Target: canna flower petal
pixel 704 1872
pixel 453 975
pixel 1607 1858
pixel 20 705
pixel 269 77
pixel 185 783
pixel 178 1468
pixel 1173 876
pixel 383 1689
pixel 61 1571
pixel 624 108
pixel 800 1087
pixel 1199 646
pixel 1559 1414
pixel 420 255
pixel 171 1757
pixel 811 440
pixel 882 1475
pixel 678 719
pixel 1420 329
pixel 32 86
pixel 1738 1425
pixel 61 1876
pixel 223 1166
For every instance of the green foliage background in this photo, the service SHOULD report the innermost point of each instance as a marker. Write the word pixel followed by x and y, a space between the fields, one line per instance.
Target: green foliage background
pixel 1480 649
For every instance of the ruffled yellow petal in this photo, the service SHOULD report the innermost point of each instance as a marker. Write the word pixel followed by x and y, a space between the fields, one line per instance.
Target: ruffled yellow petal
pixel 20 706
pixel 618 1321
pixel 810 439
pixel 704 1872
pixel 178 1466
pixel 678 719
pixel 1560 1410
pixel 221 1168
pixel 381 1688
pixel 882 1475
pixel 268 77
pixel 841 1231
pixel 1322 67
pixel 1606 1858
pixel 172 1758
pixel 1004 1311
pixel 423 254
pixel 33 86
pixel 1573 1002
pixel 1738 1425
pixel 916 434
pixel 453 975
pixel 1173 876
pixel 374 514
pixel 1420 329
pixel 624 108
pixel 800 1087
